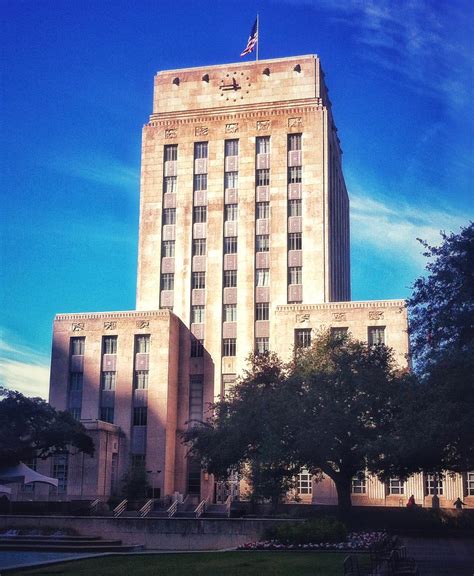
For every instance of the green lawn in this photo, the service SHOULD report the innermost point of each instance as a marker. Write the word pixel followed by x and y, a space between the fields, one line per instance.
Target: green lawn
pixel 203 564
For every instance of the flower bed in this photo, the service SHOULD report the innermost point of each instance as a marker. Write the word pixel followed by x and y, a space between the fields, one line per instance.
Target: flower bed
pixel 355 541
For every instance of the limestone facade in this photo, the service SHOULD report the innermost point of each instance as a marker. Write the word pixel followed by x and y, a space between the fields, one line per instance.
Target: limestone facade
pixel 243 245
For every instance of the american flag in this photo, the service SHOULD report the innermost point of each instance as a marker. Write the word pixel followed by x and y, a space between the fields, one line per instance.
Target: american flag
pixel 253 39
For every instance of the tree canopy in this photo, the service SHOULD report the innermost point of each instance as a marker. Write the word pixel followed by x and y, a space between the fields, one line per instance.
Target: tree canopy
pixel 31 428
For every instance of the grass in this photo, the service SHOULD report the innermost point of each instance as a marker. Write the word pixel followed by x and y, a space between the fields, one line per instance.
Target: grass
pixel 203 564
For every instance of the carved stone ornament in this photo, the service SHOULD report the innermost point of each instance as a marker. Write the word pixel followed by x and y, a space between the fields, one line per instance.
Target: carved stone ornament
pixel 263 124
pixel 201 131
pixel 232 128
pixel 375 315
pixel 339 316
pixel 143 323
pixel 77 326
pixel 295 122
pixel 110 325
pixel 171 133
pixel 300 318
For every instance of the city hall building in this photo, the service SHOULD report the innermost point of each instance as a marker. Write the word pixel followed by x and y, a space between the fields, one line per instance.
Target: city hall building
pixel 243 245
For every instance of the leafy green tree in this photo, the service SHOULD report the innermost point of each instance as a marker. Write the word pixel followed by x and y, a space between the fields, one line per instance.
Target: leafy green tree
pixel 135 483
pixel 32 428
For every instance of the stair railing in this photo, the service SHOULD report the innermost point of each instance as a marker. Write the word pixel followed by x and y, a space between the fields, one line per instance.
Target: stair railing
pixel 93 506
pixel 172 509
pixel 228 504
pixel 146 508
pixel 118 510
pixel 201 508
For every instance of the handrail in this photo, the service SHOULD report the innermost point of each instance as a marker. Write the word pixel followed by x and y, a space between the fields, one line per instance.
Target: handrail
pixel 228 504
pixel 93 506
pixel 120 508
pixel 201 508
pixel 146 508
pixel 172 509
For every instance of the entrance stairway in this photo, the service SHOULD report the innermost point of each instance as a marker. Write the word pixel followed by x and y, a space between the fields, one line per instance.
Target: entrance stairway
pixel 13 540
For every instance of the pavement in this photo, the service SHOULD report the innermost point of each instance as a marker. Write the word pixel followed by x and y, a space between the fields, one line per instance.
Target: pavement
pixel 29 559
pixel 442 556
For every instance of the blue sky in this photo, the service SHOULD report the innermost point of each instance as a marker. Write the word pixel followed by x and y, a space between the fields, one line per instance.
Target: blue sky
pixel 77 86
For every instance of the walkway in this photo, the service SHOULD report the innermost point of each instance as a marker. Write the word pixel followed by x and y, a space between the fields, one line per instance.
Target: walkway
pixel 442 556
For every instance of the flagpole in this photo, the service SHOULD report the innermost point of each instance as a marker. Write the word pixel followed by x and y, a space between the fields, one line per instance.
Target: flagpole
pixel 258 40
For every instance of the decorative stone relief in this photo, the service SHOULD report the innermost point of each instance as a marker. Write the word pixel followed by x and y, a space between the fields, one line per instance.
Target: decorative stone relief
pixel 300 318
pixel 264 124
pixel 400 310
pixel 171 133
pixel 77 326
pixel 232 128
pixel 110 325
pixel 375 315
pixel 201 131
pixel 339 316
pixel 295 122
pixel 143 323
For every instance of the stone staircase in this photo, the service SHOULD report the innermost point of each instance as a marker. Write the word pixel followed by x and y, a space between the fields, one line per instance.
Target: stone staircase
pixel 14 540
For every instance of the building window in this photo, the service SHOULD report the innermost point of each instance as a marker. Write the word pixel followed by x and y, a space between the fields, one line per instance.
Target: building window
pixel 200 150
pixel 305 482
pixel 197 314
pixel 230 245
pixel 230 278
pixel 303 337
pixel 229 347
pixel 396 487
pixel 262 177
pixel 294 241
pixel 230 212
pixel 196 399
pixel 140 416
pixel 170 184
pixel 294 207
pixel 75 412
pixel 470 483
pixel 262 345
pixel 108 380
pixel 75 381
pixel 107 414
pixel 110 345
pixel 169 216
pixel 60 471
pixel 142 344
pixel 138 461
pixel 199 247
pixel 376 335
pixel 359 485
pixel 295 175
pixel 197 348
pixel 200 214
pixel 339 333
pixel 141 379
pixel 167 281
pixel 231 180
pixel 198 280
pixel 262 277
pixel 262 311
pixel 168 248
pixel 77 346
pixel 231 147
pixel 171 152
pixel 263 145
pixel 430 481
pixel 230 312
pixel 263 209
pixel 200 182
pixel 262 243
pixel 295 275
pixel 294 142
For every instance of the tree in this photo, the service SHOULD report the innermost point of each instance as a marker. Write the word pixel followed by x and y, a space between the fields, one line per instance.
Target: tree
pixel 31 428
pixel 135 483
pixel 251 431
pixel 349 400
pixel 441 312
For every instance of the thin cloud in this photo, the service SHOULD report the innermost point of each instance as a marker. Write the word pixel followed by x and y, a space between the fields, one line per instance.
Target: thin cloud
pixel 23 368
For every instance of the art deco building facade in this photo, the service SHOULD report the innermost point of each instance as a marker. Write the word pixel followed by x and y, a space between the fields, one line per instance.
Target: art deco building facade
pixel 243 245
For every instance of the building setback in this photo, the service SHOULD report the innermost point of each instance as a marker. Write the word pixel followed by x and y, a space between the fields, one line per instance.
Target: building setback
pixel 243 245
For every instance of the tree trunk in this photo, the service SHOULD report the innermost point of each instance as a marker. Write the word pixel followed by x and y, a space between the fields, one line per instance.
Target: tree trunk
pixel 343 488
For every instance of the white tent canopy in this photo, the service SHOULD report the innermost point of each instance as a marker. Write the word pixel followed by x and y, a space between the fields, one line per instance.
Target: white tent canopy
pixel 22 473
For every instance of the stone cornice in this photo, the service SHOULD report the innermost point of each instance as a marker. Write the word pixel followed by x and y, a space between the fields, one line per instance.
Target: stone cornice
pixel 352 305
pixel 112 315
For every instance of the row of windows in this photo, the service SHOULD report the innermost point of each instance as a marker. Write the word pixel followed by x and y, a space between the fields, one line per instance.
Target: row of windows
pixel 375 335
pixel 109 345
pixel 199 279
pixel 139 415
pixel 108 380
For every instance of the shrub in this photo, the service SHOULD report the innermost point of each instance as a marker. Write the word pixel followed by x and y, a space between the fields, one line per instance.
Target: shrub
pixel 327 529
